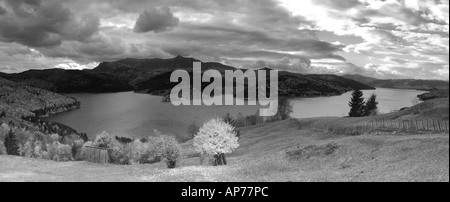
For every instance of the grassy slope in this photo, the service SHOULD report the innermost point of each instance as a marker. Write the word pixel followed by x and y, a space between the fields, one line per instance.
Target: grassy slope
pixel 262 157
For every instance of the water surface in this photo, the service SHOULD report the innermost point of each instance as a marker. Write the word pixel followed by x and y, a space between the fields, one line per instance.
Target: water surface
pixel 137 115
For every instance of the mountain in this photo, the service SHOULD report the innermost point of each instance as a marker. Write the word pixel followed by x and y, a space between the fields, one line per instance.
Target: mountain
pixel 69 81
pixel 153 76
pixel 134 71
pixel 290 84
pixel 401 83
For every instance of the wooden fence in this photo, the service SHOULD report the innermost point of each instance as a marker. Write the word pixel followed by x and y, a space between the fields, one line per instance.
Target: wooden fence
pixel 436 125
pixel 416 125
pixel 97 155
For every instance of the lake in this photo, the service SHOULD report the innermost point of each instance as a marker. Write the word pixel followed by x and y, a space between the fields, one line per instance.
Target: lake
pixel 389 101
pixel 138 115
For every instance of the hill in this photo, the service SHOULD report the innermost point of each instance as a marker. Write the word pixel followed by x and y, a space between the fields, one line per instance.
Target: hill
pixel 19 100
pixel 415 84
pixel 153 76
pixel 434 94
pixel 135 71
pixel 411 84
pixel 359 78
pixel 69 81
pixel 21 106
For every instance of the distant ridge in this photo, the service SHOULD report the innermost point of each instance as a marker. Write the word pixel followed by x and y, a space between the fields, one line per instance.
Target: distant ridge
pixel 416 84
pixel 69 81
pixel 152 76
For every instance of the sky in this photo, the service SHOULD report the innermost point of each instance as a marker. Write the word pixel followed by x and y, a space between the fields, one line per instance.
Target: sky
pixel 386 39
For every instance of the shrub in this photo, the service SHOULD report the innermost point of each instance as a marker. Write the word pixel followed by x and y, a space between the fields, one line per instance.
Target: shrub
pixel 60 152
pixel 216 138
pixel 171 150
pixel 54 138
pixel 104 140
pixel 26 150
pixel 151 150
pixel 140 152
pixel 4 130
pixel 84 148
pixel 22 136
pixel 39 136
pixel 120 154
pixel 2 148
pixel 77 150
pixel 39 151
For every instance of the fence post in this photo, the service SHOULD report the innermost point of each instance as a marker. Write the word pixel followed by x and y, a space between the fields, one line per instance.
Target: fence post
pixel 447 125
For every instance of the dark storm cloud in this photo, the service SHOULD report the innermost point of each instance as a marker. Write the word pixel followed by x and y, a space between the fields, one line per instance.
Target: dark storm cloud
pixel 237 41
pixel 44 23
pixel 155 20
pixel 2 10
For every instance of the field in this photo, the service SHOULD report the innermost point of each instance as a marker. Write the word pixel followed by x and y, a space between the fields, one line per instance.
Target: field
pixel 262 157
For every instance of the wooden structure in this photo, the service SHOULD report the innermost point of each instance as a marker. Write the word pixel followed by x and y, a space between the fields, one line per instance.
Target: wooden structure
pixel 411 125
pixel 97 155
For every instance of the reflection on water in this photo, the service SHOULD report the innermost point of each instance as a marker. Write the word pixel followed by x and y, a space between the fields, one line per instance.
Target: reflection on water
pixel 137 115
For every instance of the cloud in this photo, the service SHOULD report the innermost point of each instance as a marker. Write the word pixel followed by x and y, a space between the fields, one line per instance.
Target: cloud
pixel 340 5
pixel 155 20
pixel 414 33
pixel 44 23
pixel 300 65
pixel 389 38
pixel 2 10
